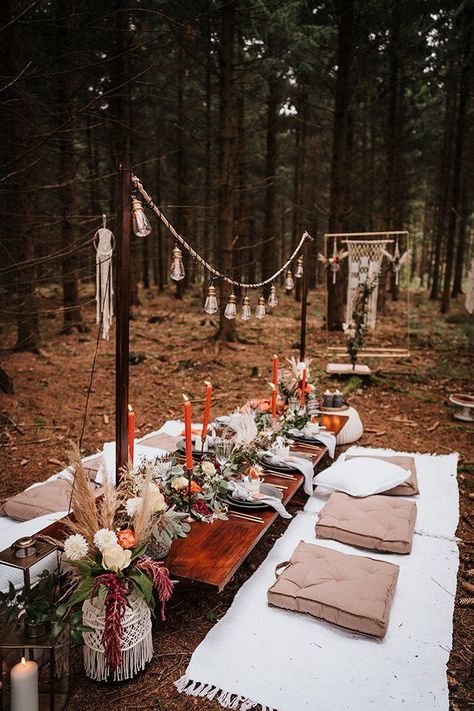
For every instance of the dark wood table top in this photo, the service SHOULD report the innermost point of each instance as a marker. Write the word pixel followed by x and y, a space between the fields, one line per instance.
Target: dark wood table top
pixel 211 553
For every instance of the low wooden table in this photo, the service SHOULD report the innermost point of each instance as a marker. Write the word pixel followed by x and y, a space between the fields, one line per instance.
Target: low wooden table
pixel 210 554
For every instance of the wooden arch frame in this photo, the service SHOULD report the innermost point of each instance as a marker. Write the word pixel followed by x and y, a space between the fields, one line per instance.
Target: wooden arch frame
pixel 371 351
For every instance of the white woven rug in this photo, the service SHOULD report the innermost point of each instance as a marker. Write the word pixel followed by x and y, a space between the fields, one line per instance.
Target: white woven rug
pixel 259 656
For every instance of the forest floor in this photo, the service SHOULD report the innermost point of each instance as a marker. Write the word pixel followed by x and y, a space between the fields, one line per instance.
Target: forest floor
pixel 406 409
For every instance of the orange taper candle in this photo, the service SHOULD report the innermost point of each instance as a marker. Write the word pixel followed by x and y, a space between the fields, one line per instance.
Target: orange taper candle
pixel 131 433
pixel 303 387
pixel 207 410
pixel 187 433
pixel 275 370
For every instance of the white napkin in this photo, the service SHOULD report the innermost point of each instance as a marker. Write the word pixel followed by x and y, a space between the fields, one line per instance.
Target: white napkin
pixel 240 493
pixel 324 437
pixel 305 466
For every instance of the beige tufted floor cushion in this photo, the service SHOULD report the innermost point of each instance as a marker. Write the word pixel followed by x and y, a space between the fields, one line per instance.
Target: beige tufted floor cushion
pixel 378 523
pixel 350 591
pixel 410 486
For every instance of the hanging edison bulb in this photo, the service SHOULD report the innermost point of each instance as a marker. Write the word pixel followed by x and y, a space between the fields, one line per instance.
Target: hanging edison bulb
pixel 177 266
pixel 246 312
pixel 289 283
pixel 210 307
pixel 299 268
pixel 273 298
pixel 260 310
pixel 140 222
pixel 231 309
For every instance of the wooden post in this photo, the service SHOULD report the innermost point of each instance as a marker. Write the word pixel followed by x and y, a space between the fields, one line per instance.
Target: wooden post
pixel 122 326
pixel 304 299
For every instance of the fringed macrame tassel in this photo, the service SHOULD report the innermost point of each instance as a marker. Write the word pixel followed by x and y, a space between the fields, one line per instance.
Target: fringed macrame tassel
pixel 226 699
pixel 104 287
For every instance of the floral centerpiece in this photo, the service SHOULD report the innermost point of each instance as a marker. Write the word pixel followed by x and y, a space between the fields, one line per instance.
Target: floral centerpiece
pixel 291 379
pixel 170 524
pixel 106 557
pixel 205 495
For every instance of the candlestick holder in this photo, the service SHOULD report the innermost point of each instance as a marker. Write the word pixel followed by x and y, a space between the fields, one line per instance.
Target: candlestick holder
pixel 189 473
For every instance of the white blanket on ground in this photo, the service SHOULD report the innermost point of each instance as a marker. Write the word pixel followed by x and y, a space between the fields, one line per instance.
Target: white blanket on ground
pixel 260 655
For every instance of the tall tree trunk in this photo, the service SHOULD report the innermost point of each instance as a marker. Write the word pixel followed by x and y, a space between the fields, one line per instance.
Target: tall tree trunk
pixel 393 134
pixel 301 181
pixel 462 238
pixel 15 131
pixel 208 151
pixel 466 22
pixel 67 166
pixel 443 181
pixel 269 248
pixel 243 227
pixel 160 247
pixel 338 205
pixel 181 167
pixel 226 331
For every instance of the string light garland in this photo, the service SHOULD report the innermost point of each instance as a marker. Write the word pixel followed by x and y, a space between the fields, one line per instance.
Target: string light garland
pixel 142 227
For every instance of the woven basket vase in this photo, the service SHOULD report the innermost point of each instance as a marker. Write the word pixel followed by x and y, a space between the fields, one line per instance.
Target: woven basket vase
pixel 352 430
pixel 136 645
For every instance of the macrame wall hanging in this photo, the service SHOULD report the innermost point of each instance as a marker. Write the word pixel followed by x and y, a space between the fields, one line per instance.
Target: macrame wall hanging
pixel 104 245
pixel 365 261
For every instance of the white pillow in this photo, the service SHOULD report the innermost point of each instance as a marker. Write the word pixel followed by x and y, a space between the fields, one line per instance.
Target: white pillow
pixel 361 476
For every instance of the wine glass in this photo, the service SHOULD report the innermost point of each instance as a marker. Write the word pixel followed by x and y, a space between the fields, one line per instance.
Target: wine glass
pixel 222 451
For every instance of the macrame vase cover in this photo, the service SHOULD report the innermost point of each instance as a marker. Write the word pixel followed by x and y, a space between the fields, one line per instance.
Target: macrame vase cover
pixel 104 287
pixel 136 645
pixel 365 260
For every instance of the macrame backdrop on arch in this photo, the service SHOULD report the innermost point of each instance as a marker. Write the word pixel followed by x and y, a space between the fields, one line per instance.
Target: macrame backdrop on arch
pixel 367 253
pixel 365 261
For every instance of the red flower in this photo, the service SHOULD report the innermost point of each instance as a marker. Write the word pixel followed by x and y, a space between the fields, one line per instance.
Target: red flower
pixel 201 508
pixel 115 605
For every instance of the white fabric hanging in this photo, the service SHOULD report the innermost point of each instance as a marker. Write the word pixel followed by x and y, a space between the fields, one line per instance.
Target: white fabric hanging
pixel 104 287
pixel 365 261
pixel 469 303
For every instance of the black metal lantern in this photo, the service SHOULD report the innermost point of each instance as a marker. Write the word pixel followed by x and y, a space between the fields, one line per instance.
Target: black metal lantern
pixel 34 668
pixel 35 671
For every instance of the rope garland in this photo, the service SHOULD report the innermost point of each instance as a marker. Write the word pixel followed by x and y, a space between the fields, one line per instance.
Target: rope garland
pixel 217 274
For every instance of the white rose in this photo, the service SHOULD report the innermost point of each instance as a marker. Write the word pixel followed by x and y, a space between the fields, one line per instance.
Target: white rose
pixel 157 500
pixel 133 505
pixel 208 468
pixel 75 547
pixel 105 537
pixel 115 558
pixel 179 483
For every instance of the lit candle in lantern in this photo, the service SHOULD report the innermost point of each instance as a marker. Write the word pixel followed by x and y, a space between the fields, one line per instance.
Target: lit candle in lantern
pixel 187 433
pixel 24 686
pixel 207 410
pixel 303 387
pixel 131 433
pixel 275 370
